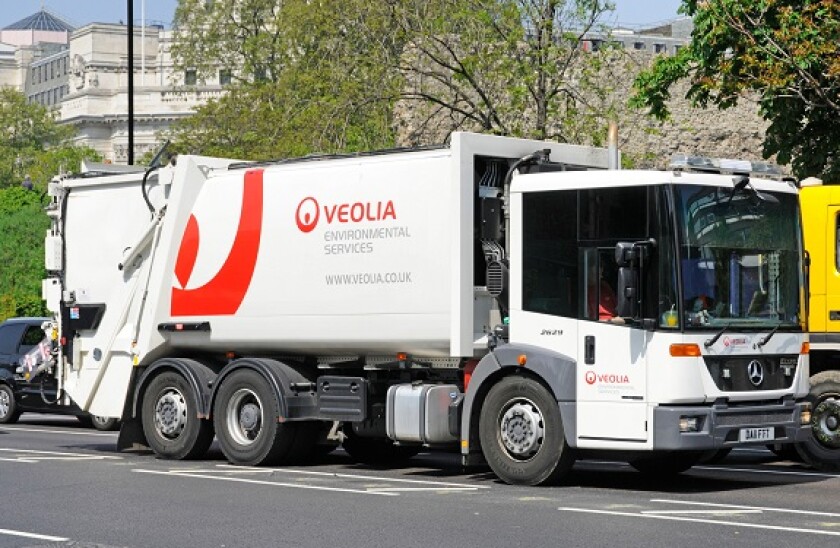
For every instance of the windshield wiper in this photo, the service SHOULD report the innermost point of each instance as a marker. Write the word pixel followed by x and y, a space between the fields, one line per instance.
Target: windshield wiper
pixel 713 340
pixel 769 336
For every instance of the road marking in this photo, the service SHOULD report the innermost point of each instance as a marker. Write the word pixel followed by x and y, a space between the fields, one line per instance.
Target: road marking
pixel 738 506
pixel 755 471
pixel 706 512
pixel 32 535
pixel 699 520
pixel 269 483
pixel 33 456
pixel 71 432
pixel 363 477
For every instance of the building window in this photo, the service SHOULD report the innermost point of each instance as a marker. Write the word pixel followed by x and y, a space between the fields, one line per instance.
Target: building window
pixel 224 77
pixel 660 48
pixel 190 77
pixel 638 45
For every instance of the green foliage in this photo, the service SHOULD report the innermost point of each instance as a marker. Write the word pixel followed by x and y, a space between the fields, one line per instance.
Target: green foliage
pixel 23 224
pixel 305 80
pixel 785 53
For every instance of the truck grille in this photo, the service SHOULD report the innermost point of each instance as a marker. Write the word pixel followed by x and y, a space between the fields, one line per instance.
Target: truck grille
pixel 754 419
pixel 752 373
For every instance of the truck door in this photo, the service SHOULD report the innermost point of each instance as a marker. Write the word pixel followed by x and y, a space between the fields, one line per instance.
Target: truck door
pixel 612 371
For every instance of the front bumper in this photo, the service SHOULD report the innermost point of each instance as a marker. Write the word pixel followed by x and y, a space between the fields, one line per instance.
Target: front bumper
pixel 721 425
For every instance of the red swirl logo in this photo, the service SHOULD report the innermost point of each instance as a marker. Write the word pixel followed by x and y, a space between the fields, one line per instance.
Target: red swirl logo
pixel 590 377
pixel 307 214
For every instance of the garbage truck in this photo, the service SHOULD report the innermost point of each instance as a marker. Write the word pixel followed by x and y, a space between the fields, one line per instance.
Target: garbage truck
pixel 509 298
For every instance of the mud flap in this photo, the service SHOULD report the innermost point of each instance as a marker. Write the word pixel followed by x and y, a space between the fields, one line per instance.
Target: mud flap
pixel 131 438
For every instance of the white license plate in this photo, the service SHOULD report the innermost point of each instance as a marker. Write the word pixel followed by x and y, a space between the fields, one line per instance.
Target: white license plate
pixel 756 434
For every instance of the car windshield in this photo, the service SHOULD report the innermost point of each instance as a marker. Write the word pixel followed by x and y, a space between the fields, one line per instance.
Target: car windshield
pixel 739 257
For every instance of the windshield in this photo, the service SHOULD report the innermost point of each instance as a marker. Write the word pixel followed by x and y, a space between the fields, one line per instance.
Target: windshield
pixel 739 256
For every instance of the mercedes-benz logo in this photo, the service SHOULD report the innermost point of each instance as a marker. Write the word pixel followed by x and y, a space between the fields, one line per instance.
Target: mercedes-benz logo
pixel 755 371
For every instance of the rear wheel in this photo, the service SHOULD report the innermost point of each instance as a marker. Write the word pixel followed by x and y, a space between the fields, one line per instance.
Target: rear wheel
pixel 246 416
pixel 105 424
pixel 9 412
pixel 522 434
pixel 170 419
pixel 822 448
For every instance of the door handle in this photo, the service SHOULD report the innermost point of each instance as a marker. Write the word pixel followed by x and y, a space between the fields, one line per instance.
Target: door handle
pixel 589 350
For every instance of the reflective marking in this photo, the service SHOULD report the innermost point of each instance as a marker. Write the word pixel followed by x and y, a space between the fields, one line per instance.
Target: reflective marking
pixel 760 508
pixel 71 432
pixel 32 535
pixel 698 520
pixel 269 483
pixel 754 471
pixel 364 477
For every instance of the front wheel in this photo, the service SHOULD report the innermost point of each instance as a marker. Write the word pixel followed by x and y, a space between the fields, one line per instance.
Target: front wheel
pixel 170 419
pixel 9 412
pixel 822 448
pixel 521 433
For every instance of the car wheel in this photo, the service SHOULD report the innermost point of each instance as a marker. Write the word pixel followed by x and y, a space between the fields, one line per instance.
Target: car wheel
pixel 9 412
pixel 105 424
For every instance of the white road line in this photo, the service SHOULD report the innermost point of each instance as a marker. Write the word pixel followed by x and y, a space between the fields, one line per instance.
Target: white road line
pixel 269 483
pixel 419 489
pixel 706 512
pixel 32 535
pixel 71 432
pixel 762 508
pixel 362 477
pixel 19 460
pixel 47 454
pixel 709 521
pixel 755 471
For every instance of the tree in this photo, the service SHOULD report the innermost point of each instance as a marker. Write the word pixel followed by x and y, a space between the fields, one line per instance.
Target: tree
pixel 511 67
pixel 32 142
pixel 304 79
pixel 22 228
pixel 783 53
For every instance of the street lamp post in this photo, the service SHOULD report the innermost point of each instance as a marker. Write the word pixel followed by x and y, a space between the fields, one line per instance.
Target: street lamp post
pixel 130 7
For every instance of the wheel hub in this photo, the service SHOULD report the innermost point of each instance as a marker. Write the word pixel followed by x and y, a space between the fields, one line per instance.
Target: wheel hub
pixel 522 429
pixel 5 403
pixel 244 416
pixel 825 423
pixel 171 413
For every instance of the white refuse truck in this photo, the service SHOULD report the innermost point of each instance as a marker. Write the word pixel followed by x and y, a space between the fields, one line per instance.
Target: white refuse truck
pixel 508 297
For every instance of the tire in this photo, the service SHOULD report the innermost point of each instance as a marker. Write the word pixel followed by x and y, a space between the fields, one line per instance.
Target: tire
pixel 376 451
pixel 170 419
pixel 245 416
pixel 667 465
pixel 822 448
pixel 9 412
pixel 104 424
pixel 521 433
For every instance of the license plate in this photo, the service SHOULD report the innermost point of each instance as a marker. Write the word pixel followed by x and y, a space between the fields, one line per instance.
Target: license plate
pixel 756 434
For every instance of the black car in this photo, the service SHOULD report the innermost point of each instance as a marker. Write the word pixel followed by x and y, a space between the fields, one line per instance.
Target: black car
pixel 38 395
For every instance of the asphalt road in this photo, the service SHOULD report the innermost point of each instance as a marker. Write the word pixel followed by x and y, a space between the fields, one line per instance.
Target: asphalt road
pixel 62 485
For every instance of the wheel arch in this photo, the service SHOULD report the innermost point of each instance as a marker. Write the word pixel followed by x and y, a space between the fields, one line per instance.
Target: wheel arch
pixel 555 371
pixel 199 376
pixel 288 384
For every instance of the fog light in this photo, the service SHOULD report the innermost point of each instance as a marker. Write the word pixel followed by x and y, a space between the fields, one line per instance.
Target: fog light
pixel 691 424
pixel 805 414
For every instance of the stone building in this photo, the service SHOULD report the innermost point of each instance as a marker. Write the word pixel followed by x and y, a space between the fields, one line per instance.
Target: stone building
pixel 83 73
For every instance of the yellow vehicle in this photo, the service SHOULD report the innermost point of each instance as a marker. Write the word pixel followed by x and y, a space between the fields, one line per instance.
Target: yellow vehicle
pixel 821 224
